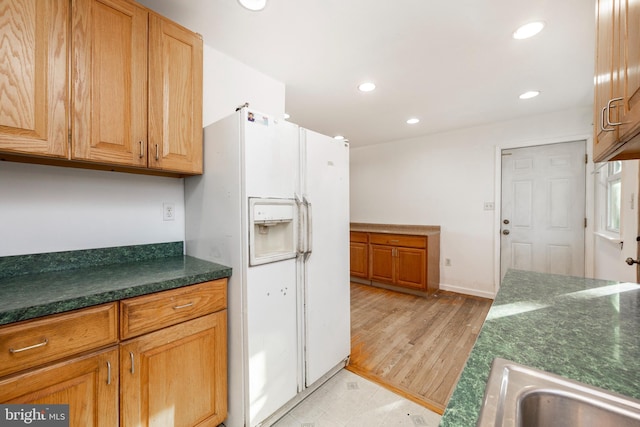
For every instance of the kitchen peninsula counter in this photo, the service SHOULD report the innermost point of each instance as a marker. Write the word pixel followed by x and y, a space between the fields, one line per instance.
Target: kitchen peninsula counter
pixel 584 329
pixel 37 285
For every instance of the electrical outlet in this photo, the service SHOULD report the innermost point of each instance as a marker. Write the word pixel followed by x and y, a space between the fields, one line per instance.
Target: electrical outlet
pixel 489 206
pixel 168 211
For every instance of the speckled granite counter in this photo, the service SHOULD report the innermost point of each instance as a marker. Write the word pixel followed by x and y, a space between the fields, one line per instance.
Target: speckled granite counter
pixel 584 329
pixel 37 285
pixel 420 230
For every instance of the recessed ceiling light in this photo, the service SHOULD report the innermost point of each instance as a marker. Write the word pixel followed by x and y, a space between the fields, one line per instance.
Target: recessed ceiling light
pixel 530 94
pixel 413 121
pixel 366 87
pixel 528 30
pixel 254 5
pixel 338 137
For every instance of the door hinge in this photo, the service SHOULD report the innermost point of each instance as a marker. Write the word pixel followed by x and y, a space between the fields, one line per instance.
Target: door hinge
pixel 586 159
pixel 585 223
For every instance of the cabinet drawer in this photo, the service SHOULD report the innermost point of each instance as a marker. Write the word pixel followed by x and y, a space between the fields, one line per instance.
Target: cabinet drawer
pixel 35 342
pixel 358 237
pixel 148 313
pixel 398 240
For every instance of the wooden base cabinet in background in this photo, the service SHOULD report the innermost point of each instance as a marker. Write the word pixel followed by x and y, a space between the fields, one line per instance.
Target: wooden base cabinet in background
pixel 359 254
pixel 402 261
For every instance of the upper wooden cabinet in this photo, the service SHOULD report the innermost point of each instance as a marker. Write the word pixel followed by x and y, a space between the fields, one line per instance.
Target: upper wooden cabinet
pixel 137 88
pixel 175 97
pixel 617 81
pixel 34 106
pixel 131 100
pixel 109 74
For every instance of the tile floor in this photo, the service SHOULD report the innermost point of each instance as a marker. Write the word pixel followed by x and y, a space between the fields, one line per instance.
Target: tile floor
pixel 348 400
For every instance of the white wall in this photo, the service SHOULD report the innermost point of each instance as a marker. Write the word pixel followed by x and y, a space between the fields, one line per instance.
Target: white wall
pixel 229 83
pixel 444 179
pixel 51 209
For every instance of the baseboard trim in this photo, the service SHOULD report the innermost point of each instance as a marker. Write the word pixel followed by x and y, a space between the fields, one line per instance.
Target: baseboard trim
pixel 467 291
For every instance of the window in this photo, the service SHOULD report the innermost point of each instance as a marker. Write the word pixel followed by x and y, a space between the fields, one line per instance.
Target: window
pixel 608 198
pixel 614 185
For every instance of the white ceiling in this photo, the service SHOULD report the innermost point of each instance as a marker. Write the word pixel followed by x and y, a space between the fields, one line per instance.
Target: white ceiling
pixel 452 64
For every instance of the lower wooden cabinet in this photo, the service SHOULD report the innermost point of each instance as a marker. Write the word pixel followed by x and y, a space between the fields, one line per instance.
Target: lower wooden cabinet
pixel 165 366
pixel 176 376
pixel 88 384
pixel 359 254
pixel 399 260
pixel 398 266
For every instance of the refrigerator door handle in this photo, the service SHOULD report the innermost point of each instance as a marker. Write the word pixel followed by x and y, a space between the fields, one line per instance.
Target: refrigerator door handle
pixel 301 225
pixel 309 228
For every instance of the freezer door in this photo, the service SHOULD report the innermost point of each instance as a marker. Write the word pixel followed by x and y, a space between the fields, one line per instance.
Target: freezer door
pixel 327 291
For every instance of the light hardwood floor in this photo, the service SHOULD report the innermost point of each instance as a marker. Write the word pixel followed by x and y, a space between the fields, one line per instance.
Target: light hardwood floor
pixel 412 345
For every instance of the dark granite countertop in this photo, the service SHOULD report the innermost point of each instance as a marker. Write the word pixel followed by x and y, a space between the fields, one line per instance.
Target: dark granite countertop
pixel 583 329
pixel 418 230
pixel 38 285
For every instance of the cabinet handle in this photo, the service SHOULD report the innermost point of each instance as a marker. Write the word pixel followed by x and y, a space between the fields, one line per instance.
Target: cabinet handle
pixel 108 373
pixel 141 149
pixel 157 155
pixel 31 347
pixel 394 241
pixel 133 370
pixel 602 128
pixel 609 111
pixel 178 307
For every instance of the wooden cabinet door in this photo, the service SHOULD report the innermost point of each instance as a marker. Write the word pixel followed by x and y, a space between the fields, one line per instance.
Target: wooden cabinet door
pixel 175 97
pixel 88 384
pixel 607 58
pixel 411 268
pixel 109 75
pixel 381 263
pixel 359 260
pixel 176 376
pixel 629 35
pixel 34 101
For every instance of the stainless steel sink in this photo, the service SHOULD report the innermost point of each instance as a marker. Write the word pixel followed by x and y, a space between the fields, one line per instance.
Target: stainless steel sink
pixel 520 396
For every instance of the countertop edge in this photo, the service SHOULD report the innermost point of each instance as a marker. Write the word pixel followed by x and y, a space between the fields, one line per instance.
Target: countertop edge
pixel 38 310
pixel 421 230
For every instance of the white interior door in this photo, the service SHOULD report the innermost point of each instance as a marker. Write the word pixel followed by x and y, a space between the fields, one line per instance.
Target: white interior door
pixel 543 209
pixel 327 289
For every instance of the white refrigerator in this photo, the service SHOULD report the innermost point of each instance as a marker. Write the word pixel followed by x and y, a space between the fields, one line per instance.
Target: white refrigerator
pixel 273 204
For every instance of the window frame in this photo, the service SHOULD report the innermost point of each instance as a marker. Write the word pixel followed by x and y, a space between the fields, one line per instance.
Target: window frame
pixel 608 207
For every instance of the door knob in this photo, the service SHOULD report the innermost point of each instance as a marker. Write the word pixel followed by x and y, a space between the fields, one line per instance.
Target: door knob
pixel 505 232
pixel 506 221
pixel 631 261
